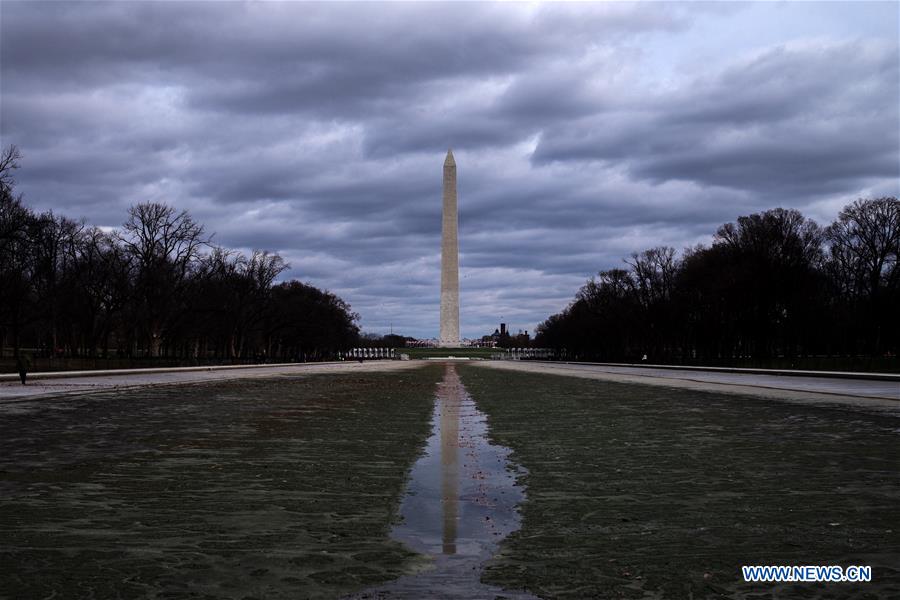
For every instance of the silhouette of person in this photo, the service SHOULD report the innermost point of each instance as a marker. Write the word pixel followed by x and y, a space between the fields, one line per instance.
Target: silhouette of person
pixel 23 364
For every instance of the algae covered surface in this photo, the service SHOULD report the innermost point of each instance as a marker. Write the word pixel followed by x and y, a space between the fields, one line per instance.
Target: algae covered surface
pixel 637 491
pixel 277 488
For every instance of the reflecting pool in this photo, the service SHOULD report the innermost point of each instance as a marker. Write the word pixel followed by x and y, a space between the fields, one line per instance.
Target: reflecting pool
pixel 459 504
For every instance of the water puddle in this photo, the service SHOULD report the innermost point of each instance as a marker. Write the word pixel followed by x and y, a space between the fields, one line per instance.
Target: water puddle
pixel 459 504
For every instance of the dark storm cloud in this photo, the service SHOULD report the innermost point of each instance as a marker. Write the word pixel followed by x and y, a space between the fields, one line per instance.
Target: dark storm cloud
pixel 318 131
pixel 814 119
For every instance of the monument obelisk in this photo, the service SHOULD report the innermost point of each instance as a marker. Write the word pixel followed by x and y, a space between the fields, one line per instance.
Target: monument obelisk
pixel 449 259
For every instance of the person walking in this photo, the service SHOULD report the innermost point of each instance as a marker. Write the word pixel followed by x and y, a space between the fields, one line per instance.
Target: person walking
pixel 23 365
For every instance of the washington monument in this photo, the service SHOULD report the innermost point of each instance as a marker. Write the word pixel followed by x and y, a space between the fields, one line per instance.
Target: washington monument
pixel 449 259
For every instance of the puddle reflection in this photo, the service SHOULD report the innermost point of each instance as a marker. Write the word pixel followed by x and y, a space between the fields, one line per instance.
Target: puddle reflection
pixel 460 502
pixel 448 403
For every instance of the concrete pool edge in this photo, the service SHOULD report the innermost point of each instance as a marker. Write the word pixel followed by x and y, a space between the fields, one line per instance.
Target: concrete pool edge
pixel 737 389
pixel 873 376
pixel 149 370
pixel 88 382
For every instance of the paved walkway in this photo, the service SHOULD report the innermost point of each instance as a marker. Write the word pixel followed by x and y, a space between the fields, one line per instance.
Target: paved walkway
pixel 106 380
pixel 857 392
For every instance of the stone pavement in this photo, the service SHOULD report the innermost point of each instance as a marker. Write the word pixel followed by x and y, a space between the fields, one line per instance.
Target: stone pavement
pixel 880 395
pixel 858 392
pixel 53 384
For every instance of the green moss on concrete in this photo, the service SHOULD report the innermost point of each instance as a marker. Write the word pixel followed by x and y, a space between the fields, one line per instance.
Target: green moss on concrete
pixel 276 488
pixel 637 490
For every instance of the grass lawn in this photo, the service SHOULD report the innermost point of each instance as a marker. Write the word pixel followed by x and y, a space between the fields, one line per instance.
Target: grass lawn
pixel 277 488
pixel 635 490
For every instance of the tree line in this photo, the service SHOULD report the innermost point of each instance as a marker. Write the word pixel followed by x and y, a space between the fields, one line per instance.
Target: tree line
pixel 155 287
pixel 773 285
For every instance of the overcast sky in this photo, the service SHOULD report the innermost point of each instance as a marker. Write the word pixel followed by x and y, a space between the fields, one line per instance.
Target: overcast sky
pixel 581 132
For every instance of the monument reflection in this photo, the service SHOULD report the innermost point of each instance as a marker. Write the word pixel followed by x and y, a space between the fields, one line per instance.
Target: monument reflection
pixel 460 503
pixel 449 398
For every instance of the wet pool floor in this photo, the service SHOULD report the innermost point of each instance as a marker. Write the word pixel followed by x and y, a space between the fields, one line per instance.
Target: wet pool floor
pixel 461 501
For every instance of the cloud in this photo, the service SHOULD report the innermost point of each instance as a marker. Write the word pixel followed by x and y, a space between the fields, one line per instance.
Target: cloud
pixel 318 131
pixel 808 118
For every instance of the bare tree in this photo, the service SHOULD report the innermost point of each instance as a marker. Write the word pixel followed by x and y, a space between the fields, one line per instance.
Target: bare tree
pixel 16 289
pixel 15 221
pixel 864 244
pixel 9 162
pixel 654 274
pixel 150 287
pixel 864 247
pixel 155 234
pixel 101 278
pixel 164 245
pixel 54 242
